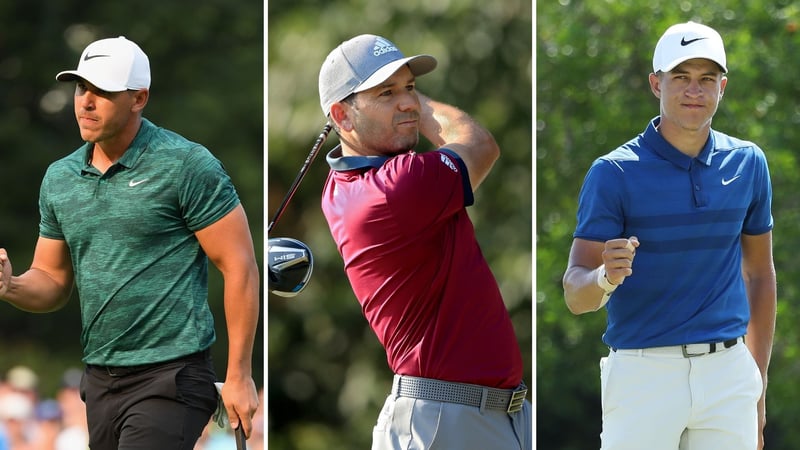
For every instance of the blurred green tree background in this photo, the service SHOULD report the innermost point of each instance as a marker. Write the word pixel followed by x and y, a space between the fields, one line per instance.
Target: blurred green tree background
pixel 591 94
pixel 327 374
pixel 207 67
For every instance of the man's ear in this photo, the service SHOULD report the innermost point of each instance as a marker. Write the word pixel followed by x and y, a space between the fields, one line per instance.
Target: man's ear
pixel 655 85
pixel 339 115
pixel 140 99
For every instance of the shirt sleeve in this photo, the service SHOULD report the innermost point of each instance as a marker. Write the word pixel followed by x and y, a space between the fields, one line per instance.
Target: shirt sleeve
pixel 425 188
pixel 600 203
pixel 48 223
pixel 759 216
pixel 207 192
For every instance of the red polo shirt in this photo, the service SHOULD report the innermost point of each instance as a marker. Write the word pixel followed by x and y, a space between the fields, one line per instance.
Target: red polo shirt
pixel 413 261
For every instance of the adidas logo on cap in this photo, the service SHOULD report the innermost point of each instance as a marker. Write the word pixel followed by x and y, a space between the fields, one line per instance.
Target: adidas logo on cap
pixel 382 46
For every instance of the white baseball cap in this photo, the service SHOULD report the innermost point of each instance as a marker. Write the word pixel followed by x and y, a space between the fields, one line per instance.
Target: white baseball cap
pixel 361 63
pixel 113 65
pixel 685 41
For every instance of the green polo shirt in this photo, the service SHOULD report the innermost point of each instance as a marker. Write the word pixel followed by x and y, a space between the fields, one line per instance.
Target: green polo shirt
pixel 140 272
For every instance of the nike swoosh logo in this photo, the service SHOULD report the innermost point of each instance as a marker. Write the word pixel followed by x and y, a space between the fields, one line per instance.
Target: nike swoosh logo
pixel 88 57
pixel 684 42
pixel 727 182
pixel 136 183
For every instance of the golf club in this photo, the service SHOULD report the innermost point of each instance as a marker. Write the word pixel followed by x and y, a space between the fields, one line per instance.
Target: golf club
pixel 220 416
pixel 290 266
pixel 296 183
pixel 241 440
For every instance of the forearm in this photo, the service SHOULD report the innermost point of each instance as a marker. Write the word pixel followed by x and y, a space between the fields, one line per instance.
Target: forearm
pixel 241 315
pixel 761 329
pixel 36 291
pixel 441 123
pixel 445 125
pixel 581 291
pixel 241 301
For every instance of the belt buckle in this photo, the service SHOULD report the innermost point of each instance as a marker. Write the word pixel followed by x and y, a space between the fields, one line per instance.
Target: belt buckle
pixel 517 400
pixel 686 354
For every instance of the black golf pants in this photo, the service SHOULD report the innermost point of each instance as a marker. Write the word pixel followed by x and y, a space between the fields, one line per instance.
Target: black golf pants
pixel 162 406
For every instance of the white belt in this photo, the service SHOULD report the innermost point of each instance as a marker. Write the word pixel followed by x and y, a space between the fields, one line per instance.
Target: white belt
pixel 686 350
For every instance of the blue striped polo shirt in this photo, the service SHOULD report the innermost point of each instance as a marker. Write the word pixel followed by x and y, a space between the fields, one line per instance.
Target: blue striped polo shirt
pixel 689 214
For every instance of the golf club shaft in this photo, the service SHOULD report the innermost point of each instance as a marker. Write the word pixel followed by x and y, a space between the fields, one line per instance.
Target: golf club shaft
pixel 241 441
pixel 296 183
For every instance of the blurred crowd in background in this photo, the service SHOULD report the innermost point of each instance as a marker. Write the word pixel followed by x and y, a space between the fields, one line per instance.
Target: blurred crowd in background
pixel 30 421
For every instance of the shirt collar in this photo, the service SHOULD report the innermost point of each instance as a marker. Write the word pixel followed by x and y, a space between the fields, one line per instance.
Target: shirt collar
pixel 134 151
pixel 139 144
pixel 341 163
pixel 672 154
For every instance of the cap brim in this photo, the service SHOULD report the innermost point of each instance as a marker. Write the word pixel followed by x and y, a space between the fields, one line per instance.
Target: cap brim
pixel 676 62
pixel 419 65
pixel 72 75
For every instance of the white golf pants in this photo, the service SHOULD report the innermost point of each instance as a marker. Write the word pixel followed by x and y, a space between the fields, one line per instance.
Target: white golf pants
pixel 657 399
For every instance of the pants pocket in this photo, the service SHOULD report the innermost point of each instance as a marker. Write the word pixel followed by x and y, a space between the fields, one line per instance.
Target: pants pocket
pixel 194 384
pixel 407 423
pixel 605 368
pixel 385 416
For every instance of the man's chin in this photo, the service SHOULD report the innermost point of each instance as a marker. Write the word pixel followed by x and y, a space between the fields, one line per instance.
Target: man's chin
pixel 89 135
pixel 399 146
pixel 406 145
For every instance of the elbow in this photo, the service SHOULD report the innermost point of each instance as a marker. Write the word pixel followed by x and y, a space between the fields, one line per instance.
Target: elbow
pixel 572 305
pixel 53 304
pixel 571 308
pixel 578 310
pixel 569 299
pixel 59 299
pixel 61 302
pixel 492 148
pixel 572 299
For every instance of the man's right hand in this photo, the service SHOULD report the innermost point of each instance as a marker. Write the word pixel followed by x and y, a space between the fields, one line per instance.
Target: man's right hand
pixel 618 258
pixel 5 272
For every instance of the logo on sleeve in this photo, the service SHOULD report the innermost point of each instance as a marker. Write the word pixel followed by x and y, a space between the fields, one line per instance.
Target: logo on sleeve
pixel 449 163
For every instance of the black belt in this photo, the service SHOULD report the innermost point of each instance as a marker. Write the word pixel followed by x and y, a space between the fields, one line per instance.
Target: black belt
pixel 121 371
pixel 508 400
pixel 712 347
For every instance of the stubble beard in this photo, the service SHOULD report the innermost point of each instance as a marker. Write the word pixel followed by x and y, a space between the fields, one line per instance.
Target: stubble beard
pixel 403 144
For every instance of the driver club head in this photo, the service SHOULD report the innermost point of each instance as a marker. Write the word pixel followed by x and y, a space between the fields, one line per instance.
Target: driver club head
pixel 290 266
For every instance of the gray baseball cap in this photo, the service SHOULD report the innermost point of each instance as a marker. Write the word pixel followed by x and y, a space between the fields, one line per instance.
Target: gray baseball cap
pixel 361 63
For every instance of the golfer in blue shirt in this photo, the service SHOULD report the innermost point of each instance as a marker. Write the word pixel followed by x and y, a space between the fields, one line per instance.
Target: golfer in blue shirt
pixel 674 240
